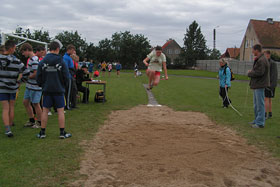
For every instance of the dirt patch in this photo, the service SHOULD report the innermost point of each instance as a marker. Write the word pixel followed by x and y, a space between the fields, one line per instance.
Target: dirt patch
pixel 158 147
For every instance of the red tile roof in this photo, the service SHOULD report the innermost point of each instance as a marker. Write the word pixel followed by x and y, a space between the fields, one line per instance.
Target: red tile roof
pixel 268 34
pixel 167 43
pixel 231 53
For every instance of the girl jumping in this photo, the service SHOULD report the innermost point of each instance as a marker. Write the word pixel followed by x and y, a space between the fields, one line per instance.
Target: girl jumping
pixel 157 60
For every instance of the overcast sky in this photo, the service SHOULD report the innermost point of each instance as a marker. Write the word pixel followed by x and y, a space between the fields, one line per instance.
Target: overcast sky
pixel 158 20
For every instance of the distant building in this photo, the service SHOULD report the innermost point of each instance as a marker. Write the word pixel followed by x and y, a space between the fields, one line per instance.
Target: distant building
pixel 171 49
pixel 232 53
pixel 264 32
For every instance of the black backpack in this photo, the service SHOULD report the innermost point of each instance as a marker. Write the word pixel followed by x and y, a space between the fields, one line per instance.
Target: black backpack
pixel 52 73
pixel 99 96
pixel 232 77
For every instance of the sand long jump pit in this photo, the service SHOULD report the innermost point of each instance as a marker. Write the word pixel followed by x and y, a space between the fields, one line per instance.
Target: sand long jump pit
pixel 159 147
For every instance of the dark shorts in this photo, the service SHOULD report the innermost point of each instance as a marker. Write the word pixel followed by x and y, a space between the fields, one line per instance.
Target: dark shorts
pixel 118 70
pixel 110 70
pixel 269 92
pixel 103 69
pixel 7 96
pixel 51 100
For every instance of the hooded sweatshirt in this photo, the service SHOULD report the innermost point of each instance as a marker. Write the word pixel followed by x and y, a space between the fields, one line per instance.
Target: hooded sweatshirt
pixel 52 75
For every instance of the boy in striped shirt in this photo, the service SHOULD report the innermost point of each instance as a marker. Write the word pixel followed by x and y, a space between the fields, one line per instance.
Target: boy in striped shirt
pixel 33 91
pixel 10 69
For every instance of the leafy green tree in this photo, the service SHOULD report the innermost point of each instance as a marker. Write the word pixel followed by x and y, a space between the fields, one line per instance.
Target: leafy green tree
pixel 91 52
pixel 75 39
pixel 214 54
pixel 105 52
pixel 194 45
pixel 129 48
pixel 275 56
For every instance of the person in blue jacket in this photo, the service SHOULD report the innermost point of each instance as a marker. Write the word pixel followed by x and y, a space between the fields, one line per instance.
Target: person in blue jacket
pixel 70 50
pixel 225 84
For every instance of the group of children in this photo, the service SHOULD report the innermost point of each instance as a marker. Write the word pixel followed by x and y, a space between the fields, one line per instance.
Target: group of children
pixel 108 66
pixel 44 74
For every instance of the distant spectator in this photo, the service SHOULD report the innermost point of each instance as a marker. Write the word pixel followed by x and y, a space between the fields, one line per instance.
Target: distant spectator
pixel 53 75
pixel 90 68
pixel 83 75
pixel 96 74
pixel 259 81
pixel 99 66
pixel 270 91
pixel 110 67
pixel 103 66
pixel 135 69
pixel 225 84
pixel 10 69
pixel 118 68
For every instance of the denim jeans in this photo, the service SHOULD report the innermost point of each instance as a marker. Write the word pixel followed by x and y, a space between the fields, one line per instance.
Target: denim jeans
pixel 259 106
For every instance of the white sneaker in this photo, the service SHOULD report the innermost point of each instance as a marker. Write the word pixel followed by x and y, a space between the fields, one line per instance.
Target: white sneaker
pixel 50 113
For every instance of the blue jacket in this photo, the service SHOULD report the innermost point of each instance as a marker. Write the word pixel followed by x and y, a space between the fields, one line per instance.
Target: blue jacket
pixel 69 62
pixel 225 76
pixel 118 66
pixel 52 75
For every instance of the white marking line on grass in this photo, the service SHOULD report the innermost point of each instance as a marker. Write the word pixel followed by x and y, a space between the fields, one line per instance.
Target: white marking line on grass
pixel 150 105
pixel 152 100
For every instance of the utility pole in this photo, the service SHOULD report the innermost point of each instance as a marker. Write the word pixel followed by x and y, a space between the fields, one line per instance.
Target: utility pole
pixel 214 37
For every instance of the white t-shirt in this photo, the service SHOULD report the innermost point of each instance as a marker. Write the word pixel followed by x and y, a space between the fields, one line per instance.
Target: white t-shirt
pixel 156 61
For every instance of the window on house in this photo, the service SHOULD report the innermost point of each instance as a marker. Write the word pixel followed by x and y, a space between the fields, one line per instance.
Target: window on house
pixel 177 51
pixel 169 51
pixel 252 43
pixel 246 44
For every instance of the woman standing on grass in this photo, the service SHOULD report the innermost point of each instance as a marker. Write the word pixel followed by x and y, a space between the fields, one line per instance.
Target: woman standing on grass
pixel 157 60
pixel 224 77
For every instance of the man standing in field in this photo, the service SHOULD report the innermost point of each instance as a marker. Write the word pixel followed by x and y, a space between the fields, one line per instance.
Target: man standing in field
pixel 259 81
pixel 10 68
pixel 53 75
pixel 270 91
pixel 33 92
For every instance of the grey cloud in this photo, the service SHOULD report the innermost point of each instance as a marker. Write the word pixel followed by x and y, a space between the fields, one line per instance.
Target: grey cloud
pixel 158 20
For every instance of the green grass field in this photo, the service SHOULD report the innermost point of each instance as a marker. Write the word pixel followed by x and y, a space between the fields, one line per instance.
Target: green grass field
pixel 195 73
pixel 26 160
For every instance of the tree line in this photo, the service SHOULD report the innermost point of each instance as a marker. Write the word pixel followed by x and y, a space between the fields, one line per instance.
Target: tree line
pixel 126 47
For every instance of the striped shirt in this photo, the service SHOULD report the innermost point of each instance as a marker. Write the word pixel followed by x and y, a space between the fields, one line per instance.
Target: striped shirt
pixel 10 68
pixel 32 67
